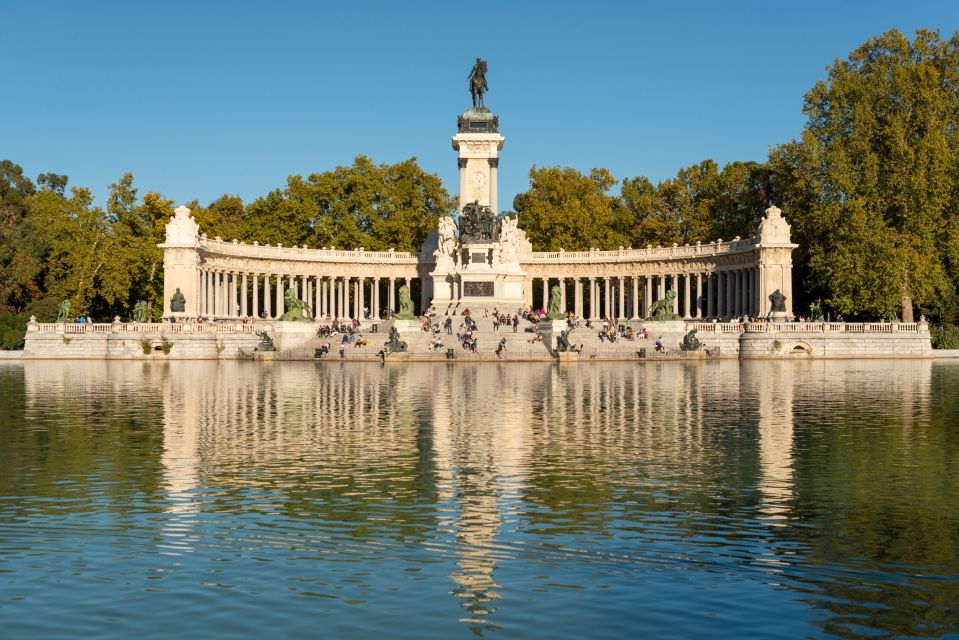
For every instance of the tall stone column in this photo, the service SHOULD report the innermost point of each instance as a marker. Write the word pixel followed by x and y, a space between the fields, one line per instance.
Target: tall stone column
pixel 635 302
pixel 720 295
pixel 493 170
pixel 592 298
pixel 361 303
pixel 607 311
pixel 700 298
pixel 243 294
pixel 392 296
pixel 621 312
pixel 204 294
pixel 578 297
pixel 256 295
pixel 267 306
pixel 562 294
pixel 648 295
pixel 675 285
pixel 545 293
pixel 376 298
pixel 280 304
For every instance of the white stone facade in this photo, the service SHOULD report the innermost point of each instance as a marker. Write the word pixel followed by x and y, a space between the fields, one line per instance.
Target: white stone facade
pixel 722 279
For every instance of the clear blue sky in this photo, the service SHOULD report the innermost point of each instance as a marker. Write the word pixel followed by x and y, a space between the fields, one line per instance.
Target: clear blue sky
pixel 198 99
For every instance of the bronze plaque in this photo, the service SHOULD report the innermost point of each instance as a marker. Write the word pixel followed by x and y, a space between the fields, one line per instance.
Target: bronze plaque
pixel 477 289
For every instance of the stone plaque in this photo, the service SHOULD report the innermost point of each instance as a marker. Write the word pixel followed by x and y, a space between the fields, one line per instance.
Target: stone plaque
pixel 477 258
pixel 477 289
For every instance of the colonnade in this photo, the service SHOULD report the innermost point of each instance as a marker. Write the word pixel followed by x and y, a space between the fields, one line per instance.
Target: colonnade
pixel 723 293
pixel 231 294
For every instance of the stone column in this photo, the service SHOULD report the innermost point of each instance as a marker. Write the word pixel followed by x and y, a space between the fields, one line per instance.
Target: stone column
pixel 331 301
pixel 493 170
pixel 720 295
pixel 686 294
pixel 255 298
pixel 392 295
pixel 578 297
pixel 361 285
pixel 730 293
pixel 243 295
pixel 635 305
pixel 267 307
pixel 562 294
pixel 700 298
pixel 376 298
pixel 607 305
pixel 592 298
pixel 621 312
pixel 648 295
pixel 203 294
pixel 545 293
pixel 280 306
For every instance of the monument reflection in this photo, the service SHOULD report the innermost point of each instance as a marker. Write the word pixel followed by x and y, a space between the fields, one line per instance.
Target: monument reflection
pixel 477 463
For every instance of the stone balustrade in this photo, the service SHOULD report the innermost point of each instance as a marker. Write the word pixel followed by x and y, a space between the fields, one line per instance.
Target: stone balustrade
pixel 650 253
pixel 258 251
pixel 145 327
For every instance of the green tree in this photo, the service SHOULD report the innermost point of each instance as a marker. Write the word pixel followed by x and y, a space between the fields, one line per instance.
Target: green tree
pixel 871 183
pixel 567 209
pixel 364 205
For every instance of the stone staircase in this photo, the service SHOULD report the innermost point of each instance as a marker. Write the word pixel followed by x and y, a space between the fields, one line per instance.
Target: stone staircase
pixel 518 345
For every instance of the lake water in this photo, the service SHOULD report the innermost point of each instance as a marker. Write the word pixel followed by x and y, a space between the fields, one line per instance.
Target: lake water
pixel 608 500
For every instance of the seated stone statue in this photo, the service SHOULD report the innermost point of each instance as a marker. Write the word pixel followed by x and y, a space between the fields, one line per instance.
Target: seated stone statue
pixel 394 344
pixel 406 304
pixel 555 312
pixel 663 309
pixel 777 302
pixel 296 309
pixel 63 311
pixel 691 342
pixel 178 302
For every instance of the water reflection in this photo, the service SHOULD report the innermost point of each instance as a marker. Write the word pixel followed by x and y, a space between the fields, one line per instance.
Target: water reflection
pixel 540 496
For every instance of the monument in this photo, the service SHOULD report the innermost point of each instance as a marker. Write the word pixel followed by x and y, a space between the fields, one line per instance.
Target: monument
pixel 480 267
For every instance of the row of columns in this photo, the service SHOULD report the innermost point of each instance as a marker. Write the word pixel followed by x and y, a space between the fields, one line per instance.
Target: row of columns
pixel 225 294
pixel 725 293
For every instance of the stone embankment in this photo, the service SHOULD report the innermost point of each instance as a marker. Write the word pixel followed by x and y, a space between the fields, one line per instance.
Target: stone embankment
pixel 298 341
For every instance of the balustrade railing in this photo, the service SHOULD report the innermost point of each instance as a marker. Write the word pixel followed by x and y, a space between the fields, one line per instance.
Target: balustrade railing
pixel 649 253
pixel 145 327
pixel 303 253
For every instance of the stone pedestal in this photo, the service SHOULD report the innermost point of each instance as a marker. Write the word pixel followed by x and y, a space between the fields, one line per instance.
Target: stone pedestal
pixel 550 329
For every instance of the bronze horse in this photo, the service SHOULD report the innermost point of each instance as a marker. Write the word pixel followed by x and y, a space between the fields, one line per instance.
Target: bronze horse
pixel 478 86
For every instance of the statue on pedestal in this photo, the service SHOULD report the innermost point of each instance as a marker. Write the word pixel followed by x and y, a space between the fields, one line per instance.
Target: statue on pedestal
pixel 296 309
pixel 555 311
pixel 478 224
pixel 178 302
pixel 778 302
pixel 663 309
pixel 394 344
pixel 509 241
pixel 406 304
pixel 63 311
pixel 478 86
pixel 562 341
pixel 139 313
pixel 691 342
pixel 266 342
pixel 446 232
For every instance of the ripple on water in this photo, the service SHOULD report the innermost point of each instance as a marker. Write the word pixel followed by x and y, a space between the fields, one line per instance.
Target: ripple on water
pixel 610 500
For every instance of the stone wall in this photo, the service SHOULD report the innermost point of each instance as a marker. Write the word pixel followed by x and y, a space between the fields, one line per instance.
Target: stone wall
pixel 298 341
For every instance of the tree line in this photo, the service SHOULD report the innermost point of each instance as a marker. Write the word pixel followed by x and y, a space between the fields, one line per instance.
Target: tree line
pixel 869 187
